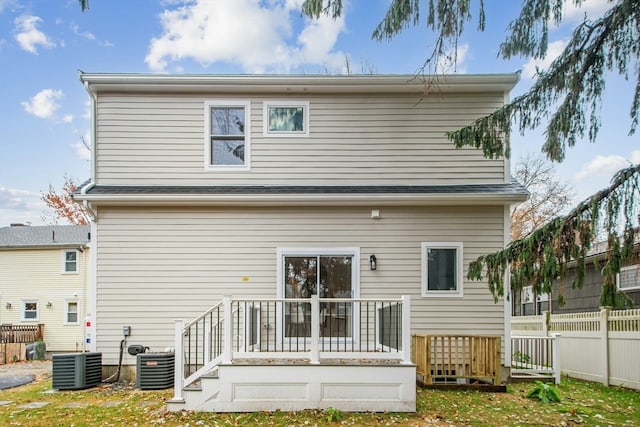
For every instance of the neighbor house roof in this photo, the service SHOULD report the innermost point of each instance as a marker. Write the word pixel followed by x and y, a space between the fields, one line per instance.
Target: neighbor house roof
pixel 20 236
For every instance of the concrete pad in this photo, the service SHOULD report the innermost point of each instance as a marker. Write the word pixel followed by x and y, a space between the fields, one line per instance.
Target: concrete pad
pixel 9 381
pixel 34 405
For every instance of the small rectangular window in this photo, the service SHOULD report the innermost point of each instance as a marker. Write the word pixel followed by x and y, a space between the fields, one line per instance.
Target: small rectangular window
pixel 629 278
pixel 442 269
pixel 286 118
pixel 72 312
pixel 227 133
pixel 30 310
pixel 71 262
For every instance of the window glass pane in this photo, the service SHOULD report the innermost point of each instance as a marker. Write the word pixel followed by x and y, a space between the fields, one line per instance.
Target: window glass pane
pixel 30 310
pixel 227 152
pixel 286 119
pixel 300 277
pixel 441 269
pixel 70 261
pixel 227 121
pixel 335 276
pixel 72 312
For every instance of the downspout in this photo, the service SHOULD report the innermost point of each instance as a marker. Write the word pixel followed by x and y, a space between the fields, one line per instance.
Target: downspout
pixel 91 317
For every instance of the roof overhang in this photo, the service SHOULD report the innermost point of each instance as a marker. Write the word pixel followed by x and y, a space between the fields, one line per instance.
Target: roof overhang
pixel 506 194
pixel 297 84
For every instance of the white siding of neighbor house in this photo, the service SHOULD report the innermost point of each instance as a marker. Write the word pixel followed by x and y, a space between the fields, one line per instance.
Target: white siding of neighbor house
pixel 353 140
pixel 158 264
pixel 36 275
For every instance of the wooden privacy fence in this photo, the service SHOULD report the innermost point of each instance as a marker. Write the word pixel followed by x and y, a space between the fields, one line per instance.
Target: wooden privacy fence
pixel 14 334
pixel 602 346
pixel 457 358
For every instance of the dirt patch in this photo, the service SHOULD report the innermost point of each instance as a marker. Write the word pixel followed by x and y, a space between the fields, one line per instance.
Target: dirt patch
pixel 40 368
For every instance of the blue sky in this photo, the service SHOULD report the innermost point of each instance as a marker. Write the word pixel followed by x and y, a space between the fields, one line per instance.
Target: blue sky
pixel 44 108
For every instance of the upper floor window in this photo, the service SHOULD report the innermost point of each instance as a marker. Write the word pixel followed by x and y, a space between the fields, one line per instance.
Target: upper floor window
pixel 30 310
pixel 227 134
pixel 442 269
pixel 286 118
pixel 70 262
pixel 629 278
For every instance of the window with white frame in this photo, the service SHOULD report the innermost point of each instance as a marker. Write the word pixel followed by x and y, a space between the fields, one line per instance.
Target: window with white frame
pixel 30 310
pixel 286 118
pixel 227 134
pixel 442 269
pixel 70 262
pixel 629 278
pixel 71 312
pixel 532 304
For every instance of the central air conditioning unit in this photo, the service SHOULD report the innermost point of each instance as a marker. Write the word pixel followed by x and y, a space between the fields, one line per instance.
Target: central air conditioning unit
pixel 75 371
pixel 154 370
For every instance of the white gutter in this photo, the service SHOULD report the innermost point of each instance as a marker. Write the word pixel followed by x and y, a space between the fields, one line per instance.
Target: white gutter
pixel 300 84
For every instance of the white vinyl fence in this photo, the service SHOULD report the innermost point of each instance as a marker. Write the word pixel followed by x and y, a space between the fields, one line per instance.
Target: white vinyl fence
pixel 597 346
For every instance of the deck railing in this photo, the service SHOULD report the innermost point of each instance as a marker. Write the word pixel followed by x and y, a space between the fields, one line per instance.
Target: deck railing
pixel 21 333
pixel 535 357
pixel 313 329
pixel 457 358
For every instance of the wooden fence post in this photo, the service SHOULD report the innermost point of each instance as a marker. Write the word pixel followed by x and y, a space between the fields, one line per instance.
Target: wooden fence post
pixel 604 343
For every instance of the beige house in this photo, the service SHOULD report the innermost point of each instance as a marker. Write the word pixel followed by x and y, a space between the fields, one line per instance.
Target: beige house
pixel 315 203
pixel 45 281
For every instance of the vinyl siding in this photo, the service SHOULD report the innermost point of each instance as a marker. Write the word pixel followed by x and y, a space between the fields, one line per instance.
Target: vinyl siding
pixel 373 139
pixel 36 275
pixel 156 265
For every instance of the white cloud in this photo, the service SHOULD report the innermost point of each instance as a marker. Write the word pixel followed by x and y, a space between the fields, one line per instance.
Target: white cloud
pixel 606 166
pixel 43 104
pixel 592 8
pixel 29 36
pixel 450 62
pixel 81 150
pixel 5 4
pixel 253 34
pixel 19 206
pixel 86 34
pixel 67 118
pixel 553 51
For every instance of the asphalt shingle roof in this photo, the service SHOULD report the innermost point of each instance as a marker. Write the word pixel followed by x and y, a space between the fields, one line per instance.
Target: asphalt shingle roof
pixel 48 235
pixel 506 188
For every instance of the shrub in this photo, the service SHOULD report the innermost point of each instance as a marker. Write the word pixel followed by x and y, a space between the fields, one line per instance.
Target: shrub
pixel 544 392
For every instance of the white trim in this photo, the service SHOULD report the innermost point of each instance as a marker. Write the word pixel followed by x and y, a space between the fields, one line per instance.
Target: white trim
pixel 64 262
pixel 506 305
pixel 207 134
pixel 285 134
pixel 23 308
pixel 630 288
pixel 91 331
pixel 66 311
pixel 459 291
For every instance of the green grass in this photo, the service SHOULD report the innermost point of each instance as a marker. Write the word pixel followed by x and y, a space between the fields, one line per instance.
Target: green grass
pixel 582 403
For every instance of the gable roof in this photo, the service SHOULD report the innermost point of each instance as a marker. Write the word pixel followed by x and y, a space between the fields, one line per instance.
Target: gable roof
pixel 44 236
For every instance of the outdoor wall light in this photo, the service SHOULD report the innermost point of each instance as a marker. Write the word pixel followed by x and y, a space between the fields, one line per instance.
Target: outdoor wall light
pixel 8 305
pixel 49 304
pixel 373 262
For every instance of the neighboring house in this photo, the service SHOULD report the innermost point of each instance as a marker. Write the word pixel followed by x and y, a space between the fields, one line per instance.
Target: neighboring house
pixel 45 280
pixel 586 298
pixel 277 188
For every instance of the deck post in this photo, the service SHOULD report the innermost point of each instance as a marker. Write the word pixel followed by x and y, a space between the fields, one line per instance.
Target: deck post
pixel 178 373
pixel 555 357
pixel 406 329
pixel 227 350
pixel 315 330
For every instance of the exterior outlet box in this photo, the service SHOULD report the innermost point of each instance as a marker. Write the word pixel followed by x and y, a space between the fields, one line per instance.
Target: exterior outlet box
pixel 126 331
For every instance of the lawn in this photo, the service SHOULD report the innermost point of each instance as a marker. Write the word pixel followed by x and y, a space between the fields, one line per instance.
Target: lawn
pixel 582 403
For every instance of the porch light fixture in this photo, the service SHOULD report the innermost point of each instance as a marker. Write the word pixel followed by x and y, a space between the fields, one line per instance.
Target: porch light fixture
pixel 8 305
pixel 373 262
pixel 49 304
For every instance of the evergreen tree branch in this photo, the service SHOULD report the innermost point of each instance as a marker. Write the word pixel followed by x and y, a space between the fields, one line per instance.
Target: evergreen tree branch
pixel 542 256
